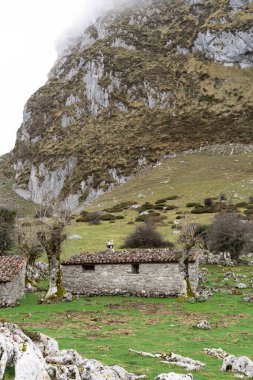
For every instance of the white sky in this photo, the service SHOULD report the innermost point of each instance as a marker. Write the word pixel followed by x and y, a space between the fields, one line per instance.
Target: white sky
pixel 28 33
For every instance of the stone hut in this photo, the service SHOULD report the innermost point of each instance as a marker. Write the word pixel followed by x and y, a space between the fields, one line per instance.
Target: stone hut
pixel 12 279
pixel 147 273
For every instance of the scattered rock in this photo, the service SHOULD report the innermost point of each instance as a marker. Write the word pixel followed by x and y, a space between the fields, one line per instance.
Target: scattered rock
pixel 171 358
pixel 67 297
pixel 241 285
pixel 174 376
pixel 248 298
pixel 184 362
pixel 241 365
pixel 204 325
pixel 75 237
pixel 218 353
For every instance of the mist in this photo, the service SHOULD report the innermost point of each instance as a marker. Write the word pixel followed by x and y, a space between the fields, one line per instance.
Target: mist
pixel 92 10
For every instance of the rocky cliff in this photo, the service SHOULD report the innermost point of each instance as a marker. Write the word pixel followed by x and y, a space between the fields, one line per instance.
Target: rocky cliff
pixel 139 84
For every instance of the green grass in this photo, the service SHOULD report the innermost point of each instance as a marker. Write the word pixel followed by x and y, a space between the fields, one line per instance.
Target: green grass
pixel 193 177
pixel 106 327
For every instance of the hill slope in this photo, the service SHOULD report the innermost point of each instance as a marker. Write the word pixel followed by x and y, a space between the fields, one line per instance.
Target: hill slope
pixel 159 77
pixel 192 177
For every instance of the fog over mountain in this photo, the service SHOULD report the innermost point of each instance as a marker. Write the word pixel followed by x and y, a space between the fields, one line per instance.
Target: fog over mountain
pixel 92 10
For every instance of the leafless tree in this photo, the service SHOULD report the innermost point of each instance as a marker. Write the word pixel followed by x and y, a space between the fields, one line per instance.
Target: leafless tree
pixel 47 235
pixel 190 240
pixel 229 233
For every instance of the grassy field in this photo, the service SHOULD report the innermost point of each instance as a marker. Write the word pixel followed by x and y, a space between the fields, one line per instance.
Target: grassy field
pixel 106 327
pixel 192 177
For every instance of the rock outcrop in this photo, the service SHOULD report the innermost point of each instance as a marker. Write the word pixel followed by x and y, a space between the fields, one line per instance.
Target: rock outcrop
pixel 136 85
pixel 41 359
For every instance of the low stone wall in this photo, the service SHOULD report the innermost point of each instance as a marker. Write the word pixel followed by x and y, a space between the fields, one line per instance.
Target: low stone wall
pixel 11 291
pixel 153 280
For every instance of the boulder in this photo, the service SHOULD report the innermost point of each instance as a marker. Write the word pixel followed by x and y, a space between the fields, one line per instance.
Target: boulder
pixel 41 359
pixel 17 350
pixel 241 285
pixel 241 365
pixel 174 376
pixel 218 353
pixel 184 362
pixel 204 325
pixel 74 237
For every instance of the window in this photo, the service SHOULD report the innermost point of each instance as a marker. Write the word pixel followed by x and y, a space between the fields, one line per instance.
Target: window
pixel 88 268
pixel 135 268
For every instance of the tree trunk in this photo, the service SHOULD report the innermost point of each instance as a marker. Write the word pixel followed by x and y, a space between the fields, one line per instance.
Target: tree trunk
pixel 55 277
pixel 184 269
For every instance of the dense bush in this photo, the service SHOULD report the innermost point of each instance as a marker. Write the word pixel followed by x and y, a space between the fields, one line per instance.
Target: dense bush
pixel 93 218
pixel 208 202
pixel 120 207
pixel 146 236
pixel 229 233
pixel 7 225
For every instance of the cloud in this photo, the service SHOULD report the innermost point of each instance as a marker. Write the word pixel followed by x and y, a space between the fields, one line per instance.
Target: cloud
pixel 91 11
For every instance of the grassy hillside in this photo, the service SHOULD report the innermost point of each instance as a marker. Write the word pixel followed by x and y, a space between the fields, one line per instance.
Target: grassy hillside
pixel 8 198
pixel 105 328
pixel 191 177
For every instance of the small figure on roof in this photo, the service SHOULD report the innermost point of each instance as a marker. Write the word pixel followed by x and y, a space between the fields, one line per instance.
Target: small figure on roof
pixel 110 246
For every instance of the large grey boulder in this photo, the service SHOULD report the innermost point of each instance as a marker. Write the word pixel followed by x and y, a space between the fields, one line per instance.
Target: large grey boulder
pixel 41 359
pixel 241 365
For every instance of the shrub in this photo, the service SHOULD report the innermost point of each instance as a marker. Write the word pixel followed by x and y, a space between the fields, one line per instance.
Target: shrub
pixel 222 197
pixel 107 217
pixel 208 202
pixel 193 204
pixel 229 233
pixel 146 218
pixel 173 197
pixel 170 207
pixel 120 207
pixel 146 236
pixel 93 218
pixel 159 201
pixel 7 225
pixel 146 206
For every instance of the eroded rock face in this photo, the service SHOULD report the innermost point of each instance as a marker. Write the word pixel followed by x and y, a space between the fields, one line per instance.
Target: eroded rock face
pixel 123 90
pixel 41 359
pixel 227 47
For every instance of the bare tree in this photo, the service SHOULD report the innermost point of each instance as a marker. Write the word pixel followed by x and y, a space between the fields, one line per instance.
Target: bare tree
pixel 46 235
pixel 229 233
pixel 51 240
pixel 189 239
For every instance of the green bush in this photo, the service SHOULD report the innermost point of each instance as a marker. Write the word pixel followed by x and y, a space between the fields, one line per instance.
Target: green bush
pixel 145 236
pixel 107 217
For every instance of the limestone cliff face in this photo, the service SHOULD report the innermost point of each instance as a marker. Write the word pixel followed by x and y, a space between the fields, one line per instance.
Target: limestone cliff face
pixel 155 78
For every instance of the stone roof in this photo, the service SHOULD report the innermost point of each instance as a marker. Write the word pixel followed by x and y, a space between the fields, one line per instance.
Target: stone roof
pixel 10 266
pixel 128 257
